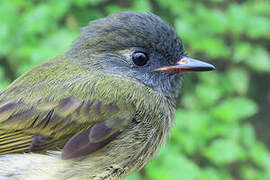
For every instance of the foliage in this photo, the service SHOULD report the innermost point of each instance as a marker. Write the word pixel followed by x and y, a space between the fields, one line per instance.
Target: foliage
pixel 212 137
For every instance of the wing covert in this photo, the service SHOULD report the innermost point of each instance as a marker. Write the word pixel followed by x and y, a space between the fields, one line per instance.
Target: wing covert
pixel 46 125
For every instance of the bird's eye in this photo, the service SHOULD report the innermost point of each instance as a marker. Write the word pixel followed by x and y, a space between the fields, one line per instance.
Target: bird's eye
pixel 139 58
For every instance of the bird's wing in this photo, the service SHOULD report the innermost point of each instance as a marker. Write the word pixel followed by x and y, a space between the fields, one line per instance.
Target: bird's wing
pixel 31 127
pixel 79 122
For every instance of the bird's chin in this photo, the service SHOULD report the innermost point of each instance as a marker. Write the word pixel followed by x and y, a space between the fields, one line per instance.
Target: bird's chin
pixel 170 85
pixel 176 84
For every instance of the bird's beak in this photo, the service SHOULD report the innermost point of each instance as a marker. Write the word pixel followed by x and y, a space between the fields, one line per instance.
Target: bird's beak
pixel 186 64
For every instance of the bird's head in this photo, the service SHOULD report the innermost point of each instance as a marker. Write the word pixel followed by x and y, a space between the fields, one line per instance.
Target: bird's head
pixel 138 46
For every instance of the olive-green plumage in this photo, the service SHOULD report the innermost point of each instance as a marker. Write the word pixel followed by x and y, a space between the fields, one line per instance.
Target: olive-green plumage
pixel 101 104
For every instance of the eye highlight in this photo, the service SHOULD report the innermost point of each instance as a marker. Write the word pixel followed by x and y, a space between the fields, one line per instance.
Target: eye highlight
pixel 139 58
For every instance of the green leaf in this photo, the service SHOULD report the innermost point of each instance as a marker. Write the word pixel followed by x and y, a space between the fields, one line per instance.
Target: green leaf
pixel 258 27
pixel 238 18
pixel 211 173
pixel 142 6
pixel 213 46
pixel 234 109
pixel 82 3
pixel 242 51
pixel 260 155
pixel 113 9
pixel 207 95
pixel 239 79
pixel 3 82
pixel 189 130
pixel 222 152
pixel 260 60
pixel 248 172
pixel 248 135
pixel 170 166
pixel 134 176
pixel 39 19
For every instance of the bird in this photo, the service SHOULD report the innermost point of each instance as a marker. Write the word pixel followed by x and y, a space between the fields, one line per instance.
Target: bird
pixel 101 110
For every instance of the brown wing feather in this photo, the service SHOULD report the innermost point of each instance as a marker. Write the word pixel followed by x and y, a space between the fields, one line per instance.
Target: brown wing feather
pixel 25 128
pixel 46 126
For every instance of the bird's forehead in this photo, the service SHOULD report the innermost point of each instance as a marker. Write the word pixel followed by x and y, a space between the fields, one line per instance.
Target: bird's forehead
pixel 127 29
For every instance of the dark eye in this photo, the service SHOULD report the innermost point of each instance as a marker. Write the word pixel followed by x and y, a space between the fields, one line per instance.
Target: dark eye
pixel 139 58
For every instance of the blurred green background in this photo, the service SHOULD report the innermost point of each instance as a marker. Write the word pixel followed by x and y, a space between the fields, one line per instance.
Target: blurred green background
pixel 222 125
